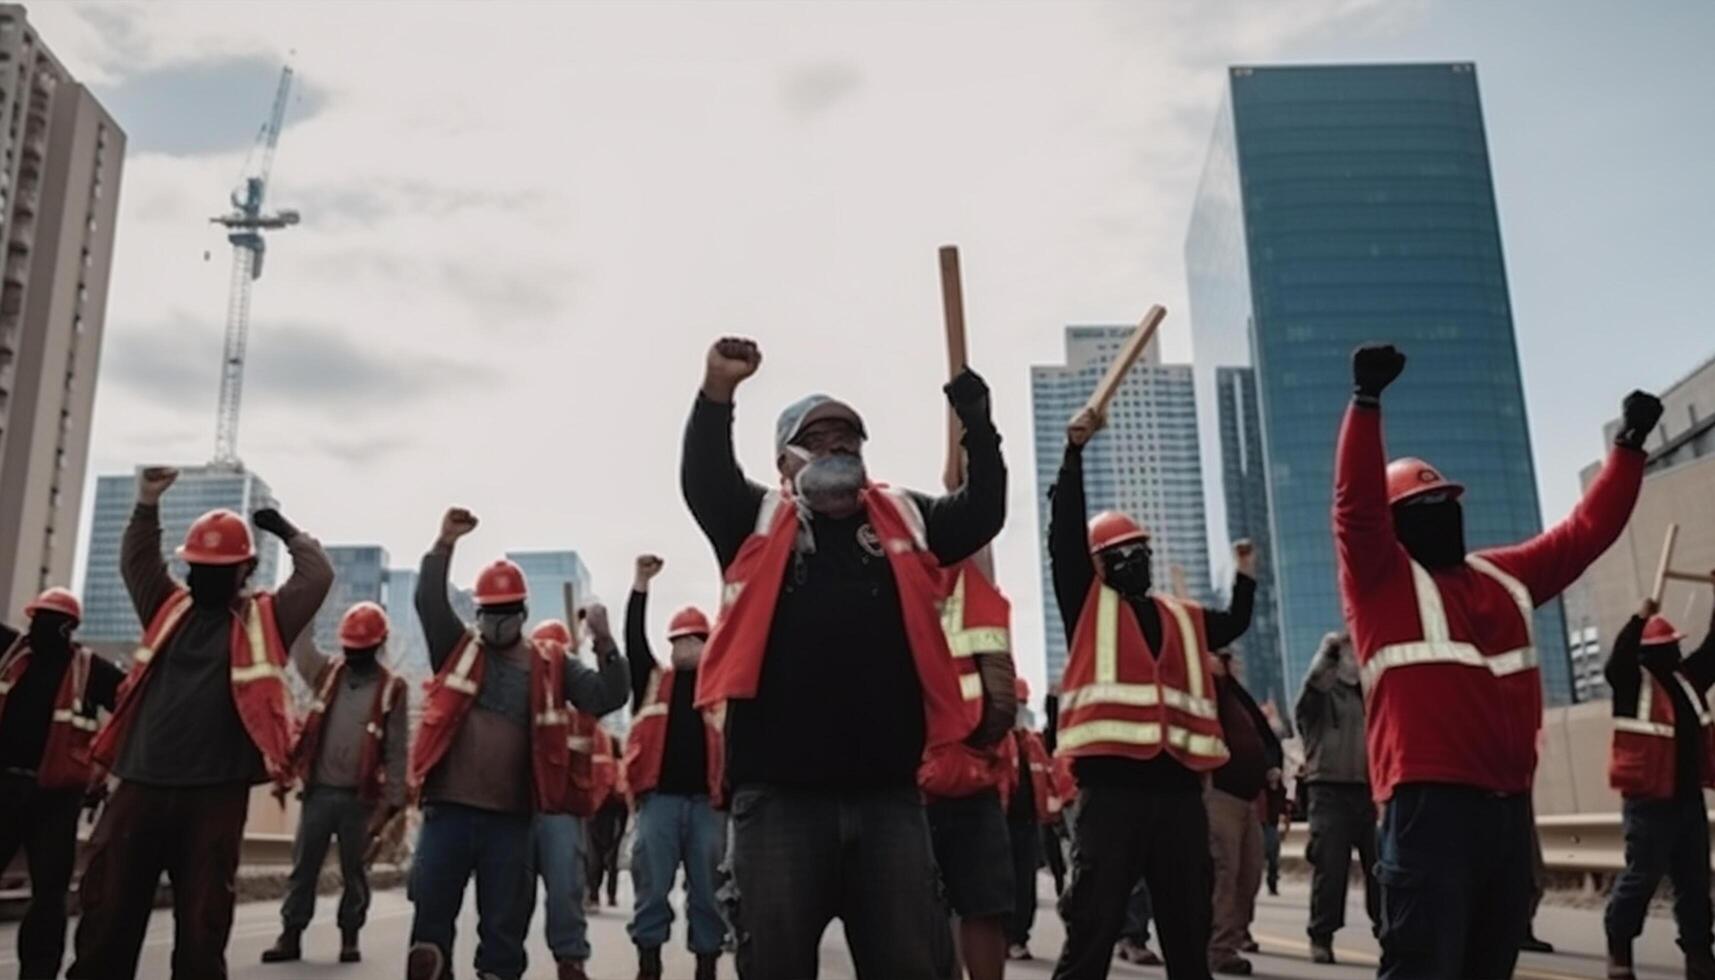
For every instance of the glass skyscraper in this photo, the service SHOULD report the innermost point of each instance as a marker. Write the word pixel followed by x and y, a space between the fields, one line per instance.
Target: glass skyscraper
pixel 1246 496
pixel 1144 463
pixel 1343 204
pixel 108 616
pixel 359 575
pixel 546 575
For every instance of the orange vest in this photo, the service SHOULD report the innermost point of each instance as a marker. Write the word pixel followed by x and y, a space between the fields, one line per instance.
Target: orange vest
pixel 615 756
pixel 591 769
pixel 976 618
pixel 258 656
pixel 1641 762
pixel 447 699
pixel 647 743
pixel 389 692
pixel 1118 700
pixel 65 758
pixel 732 661
pixel 1045 789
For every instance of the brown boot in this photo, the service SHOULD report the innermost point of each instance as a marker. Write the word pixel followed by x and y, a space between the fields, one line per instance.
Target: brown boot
pixel 425 961
pixel 648 963
pixel 706 965
pixel 571 970
pixel 286 949
pixel 348 951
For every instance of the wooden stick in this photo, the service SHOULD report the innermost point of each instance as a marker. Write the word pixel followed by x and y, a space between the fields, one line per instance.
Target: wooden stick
pixel 1699 577
pixel 1177 573
pixel 1128 356
pixel 953 320
pixel 569 595
pixel 1666 560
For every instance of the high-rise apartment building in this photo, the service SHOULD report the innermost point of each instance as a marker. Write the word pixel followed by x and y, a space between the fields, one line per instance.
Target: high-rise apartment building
pixel 1144 463
pixel 359 575
pixel 1246 494
pixel 108 616
pixel 60 160
pixel 1344 204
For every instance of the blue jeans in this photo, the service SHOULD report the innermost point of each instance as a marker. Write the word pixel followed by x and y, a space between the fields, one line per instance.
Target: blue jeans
pixel 559 859
pixel 671 831
pixel 1454 865
pixel 454 843
pixel 1664 838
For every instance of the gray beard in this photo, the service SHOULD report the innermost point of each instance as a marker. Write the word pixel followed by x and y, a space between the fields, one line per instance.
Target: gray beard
pixel 830 480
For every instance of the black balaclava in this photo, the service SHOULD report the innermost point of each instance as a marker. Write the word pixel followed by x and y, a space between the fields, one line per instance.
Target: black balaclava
pixel 50 632
pixel 1126 568
pixel 361 660
pixel 1433 534
pixel 502 625
pixel 215 586
pixel 1660 658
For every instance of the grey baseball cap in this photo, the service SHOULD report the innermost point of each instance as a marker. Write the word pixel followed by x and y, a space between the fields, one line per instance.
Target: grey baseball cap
pixel 812 408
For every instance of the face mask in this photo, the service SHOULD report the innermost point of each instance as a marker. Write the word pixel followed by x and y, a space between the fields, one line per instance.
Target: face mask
pixel 499 630
pixel 1127 571
pixel 215 586
pixel 687 653
pixel 1660 657
pixel 361 659
pixel 1432 534
pixel 1347 672
pixel 50 632
pixel 831 479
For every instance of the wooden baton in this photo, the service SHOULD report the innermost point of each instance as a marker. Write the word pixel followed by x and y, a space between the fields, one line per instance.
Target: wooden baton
pixel 1666 560
pixel 1128 356
pixel 953 321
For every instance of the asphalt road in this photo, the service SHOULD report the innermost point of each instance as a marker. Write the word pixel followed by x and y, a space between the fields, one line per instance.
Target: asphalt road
pixel 1577 933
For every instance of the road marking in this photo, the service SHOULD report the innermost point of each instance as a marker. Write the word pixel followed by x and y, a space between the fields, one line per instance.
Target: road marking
pixel 1369 959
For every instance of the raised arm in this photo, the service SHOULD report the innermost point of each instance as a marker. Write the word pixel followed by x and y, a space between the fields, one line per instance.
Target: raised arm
pixel 442 627
pixel 396 747
pixel 1624 671
pixel 721 499
pixel 1700 665
pixel 140 562
pixel 642 659
pixel 1068 537
pixel 301 596
pixel 962 522
pixel 308 661
pixel 1223 626
pixel 1319 684
pixel 1364 540
pixel 604 689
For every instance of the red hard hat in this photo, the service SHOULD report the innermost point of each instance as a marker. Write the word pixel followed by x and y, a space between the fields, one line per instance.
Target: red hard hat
pixel 219 537
pixel 1022 688
pixel 1110 528
pixel 552 631
pixel 500 583
pixel 688 621
pixel 364 625
pixel 1412 477
pixel 1658 632
pixel 57 600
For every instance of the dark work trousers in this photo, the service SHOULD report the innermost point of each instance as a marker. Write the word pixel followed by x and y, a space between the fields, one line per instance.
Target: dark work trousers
pixel 606 830
pixel 1271 855
pixel 1342 820
pixel 1454 869
pixel 193 834
pixel 1137 915
pixel 802 858
pixel 455 843
pixel 1026 858
pixel 44 824
pixel 1663 838
pixel 329 811
pixel 1119 835
pixel 1054 855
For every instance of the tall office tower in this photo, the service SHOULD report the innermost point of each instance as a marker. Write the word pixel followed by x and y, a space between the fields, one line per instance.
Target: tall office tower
pixel 359 575
pixel 407 648
pixel 1344 204
pixel 1246 495
pixel 59 196
pixel 1144 463
pixel 546 574
pixel 107 613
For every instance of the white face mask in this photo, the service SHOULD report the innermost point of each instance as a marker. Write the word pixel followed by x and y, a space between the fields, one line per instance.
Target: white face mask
pixel 834 475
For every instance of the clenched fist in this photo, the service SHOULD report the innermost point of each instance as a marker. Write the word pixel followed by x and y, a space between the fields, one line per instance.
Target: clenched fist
pixel 1244 557
pixel 1084 426
pixel 648 566
pixel 1374 366
pixel 457 523
pixel 595 618
pixel 731 360
pixel 153 482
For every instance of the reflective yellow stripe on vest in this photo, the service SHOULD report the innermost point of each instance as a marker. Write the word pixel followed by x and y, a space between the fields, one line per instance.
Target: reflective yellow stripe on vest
pixel 1438 645
pixel 65 716
pixel 175 612
pixel 1643 725
pixel 968 642
pixel 459 680
pixel 1108 689
pixel 1143 733
pixel 260 668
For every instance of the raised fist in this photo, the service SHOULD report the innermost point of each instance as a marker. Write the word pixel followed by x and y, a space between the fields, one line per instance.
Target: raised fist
pixel 457 523
pixel 1244 557
pixel 1084 426
pixel 154 481
pixel 595 618
pixel 1642 411
pixel 969 395
pixel 731 360
pixel 648 566
pixel 275 523
pixel 1374 366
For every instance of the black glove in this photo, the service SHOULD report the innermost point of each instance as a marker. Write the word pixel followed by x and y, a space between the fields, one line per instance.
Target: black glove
pixel 275 523
pixel 1374 366
pixel 969 395
pixel 1642 411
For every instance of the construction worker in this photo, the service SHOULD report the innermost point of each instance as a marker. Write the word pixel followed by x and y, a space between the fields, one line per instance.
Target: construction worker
pixel 606 830
pixel 350 754
pixel 492 750
pixel 1449 666
pixel 1033 802
pixel 832 657
pixel 1335 781
pixel 1663 756
pixel 674 759
pixel 1235 832
pixel 202 717
pixel 50 689
pixel 1138 719
pixel 557 853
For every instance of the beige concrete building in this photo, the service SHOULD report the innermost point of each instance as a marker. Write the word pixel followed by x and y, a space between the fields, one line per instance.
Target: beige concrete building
pixel 59 192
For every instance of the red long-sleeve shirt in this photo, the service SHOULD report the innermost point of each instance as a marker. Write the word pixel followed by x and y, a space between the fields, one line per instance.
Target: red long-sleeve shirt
pixel 1446 722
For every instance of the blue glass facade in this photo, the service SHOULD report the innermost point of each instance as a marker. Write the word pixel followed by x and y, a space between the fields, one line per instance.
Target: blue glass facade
pixel 1245 489
pixel 1343 204
pixel 359 575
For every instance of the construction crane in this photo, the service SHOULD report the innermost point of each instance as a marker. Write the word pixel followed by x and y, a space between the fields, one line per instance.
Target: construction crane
pixel 244 225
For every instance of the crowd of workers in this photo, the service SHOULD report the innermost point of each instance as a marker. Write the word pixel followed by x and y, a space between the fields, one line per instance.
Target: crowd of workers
pixel 844 739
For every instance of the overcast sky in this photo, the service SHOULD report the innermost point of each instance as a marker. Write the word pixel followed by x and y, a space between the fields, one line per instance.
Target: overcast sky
pixel 523 224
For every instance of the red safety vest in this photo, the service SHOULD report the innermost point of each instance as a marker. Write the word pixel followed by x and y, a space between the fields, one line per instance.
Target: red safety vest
pixel 976 619
pixel 371 775
pixel 447 699
pixel 258 658
pixel 732 661
pixel 647 742
pixel 591 759
pixel 1641 762
pixel 616 761
pixel 1045 789
pixel 66 755
pixel 1118 700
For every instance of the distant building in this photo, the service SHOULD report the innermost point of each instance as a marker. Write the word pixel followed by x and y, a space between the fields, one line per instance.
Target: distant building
pixel 59 197
pixel 407 648
pixel 1341 204
pixel 546 575
pixel 108 616
pixel 1144 463
pixel 1246 492
pixel 359 575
